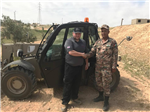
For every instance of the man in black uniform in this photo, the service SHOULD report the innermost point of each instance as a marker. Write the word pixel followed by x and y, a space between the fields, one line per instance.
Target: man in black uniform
pixel 75 49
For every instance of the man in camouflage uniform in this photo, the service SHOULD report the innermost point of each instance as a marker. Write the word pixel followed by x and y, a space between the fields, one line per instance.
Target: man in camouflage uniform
pixel 106 62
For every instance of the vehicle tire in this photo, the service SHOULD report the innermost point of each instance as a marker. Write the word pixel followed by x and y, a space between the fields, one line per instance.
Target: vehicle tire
pixel 113 84
pixel 18 83
pixel 115 80
pixel 0 82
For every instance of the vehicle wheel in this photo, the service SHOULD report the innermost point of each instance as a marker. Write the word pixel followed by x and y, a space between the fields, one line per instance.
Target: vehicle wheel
pixel 0 82
pixel 115 80
pixel 92 81
pixel 113 84
pixel 18 83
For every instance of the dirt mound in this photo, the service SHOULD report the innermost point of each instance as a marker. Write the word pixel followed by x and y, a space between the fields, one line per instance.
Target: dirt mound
pixel 139 46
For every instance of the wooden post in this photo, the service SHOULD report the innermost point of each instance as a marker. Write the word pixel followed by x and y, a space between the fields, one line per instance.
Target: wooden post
pixel 121 21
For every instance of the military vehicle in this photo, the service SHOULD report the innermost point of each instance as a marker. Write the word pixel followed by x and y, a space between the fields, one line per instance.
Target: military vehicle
pixel 45 60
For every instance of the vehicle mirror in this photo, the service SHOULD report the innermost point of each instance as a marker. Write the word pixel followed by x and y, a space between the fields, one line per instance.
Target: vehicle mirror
pixel 128 38
pixel 19 53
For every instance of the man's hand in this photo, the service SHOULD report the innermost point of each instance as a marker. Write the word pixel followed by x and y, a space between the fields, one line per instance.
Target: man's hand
pixel 113 70
pixel 84 55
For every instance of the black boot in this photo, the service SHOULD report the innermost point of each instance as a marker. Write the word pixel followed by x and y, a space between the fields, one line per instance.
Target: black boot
pixel 99 98
pixel 106 103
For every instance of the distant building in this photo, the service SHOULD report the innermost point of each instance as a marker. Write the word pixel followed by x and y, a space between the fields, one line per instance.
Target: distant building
pixel 140 21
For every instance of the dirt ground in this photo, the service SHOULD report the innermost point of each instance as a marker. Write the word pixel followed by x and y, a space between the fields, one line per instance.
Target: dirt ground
pixel 132 94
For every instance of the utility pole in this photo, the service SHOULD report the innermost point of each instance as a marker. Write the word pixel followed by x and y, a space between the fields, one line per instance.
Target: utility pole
pixel 39 13
pixel 15 15
pixel 1 10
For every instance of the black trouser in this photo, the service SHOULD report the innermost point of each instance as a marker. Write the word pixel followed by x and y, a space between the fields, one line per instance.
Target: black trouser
pixel 71 80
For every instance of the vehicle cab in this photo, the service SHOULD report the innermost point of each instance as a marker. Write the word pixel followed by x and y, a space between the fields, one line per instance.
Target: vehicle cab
pixel 51 52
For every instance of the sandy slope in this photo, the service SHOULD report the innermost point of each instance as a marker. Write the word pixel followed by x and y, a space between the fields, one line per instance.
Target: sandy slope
pixel 139 46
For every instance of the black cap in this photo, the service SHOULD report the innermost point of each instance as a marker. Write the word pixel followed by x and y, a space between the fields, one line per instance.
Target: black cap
pixel 77 30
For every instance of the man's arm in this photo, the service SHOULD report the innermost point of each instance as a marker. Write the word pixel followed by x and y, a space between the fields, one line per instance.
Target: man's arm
pixel 86 64
pixel 115 56
pixel 69 49
pixel 75 53
pixel 92 52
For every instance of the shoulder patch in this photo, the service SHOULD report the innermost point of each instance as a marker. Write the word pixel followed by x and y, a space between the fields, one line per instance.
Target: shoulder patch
pixel 108 45
pixel 68 46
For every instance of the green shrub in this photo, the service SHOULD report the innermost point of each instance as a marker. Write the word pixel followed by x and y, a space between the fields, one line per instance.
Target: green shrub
pixel 136 67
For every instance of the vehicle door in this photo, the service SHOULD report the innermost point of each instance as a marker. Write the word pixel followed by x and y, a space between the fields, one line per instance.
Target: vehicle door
pixel 92 38
pixel 52 59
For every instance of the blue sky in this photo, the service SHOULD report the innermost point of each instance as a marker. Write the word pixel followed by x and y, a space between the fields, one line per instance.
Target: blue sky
pixel 101 12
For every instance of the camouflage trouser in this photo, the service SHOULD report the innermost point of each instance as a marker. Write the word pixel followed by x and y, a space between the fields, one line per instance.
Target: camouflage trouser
pixel 103 79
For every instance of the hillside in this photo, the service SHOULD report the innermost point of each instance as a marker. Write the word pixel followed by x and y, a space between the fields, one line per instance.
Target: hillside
pixel 136 53
pixel 139 46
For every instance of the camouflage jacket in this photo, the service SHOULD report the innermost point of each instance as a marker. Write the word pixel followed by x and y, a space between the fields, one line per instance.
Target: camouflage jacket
pixel 106 53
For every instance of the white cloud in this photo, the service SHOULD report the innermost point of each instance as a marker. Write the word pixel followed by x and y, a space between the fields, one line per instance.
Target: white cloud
pixel 108 12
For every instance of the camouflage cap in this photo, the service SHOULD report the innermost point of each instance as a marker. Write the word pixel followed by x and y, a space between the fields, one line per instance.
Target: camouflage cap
pixel 105 26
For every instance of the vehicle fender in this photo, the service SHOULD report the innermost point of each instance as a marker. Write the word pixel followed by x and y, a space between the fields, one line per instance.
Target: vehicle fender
pixel 21 63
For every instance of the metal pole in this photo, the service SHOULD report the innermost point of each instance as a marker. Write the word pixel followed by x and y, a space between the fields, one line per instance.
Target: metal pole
pixel 39 13
pixel 1 10
pixel 15 15
pixel 121 41
pixel 121 21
